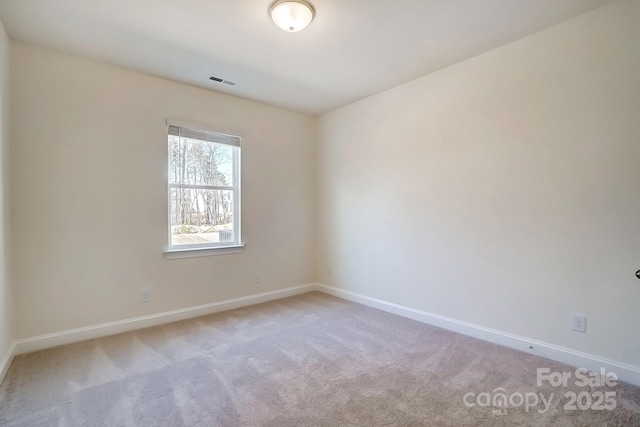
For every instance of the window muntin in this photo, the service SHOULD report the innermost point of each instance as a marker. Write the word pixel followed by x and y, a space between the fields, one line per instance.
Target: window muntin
pixel 203 189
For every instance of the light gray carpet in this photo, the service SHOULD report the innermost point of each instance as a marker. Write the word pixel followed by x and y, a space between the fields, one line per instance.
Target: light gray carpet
pixel 311 360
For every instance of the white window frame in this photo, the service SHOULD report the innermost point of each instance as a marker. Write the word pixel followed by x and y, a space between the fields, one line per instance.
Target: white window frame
pixel 206 249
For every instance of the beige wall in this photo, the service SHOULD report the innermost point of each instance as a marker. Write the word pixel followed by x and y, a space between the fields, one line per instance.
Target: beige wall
pixel 89 194
pixel 5 295
pixel 501 191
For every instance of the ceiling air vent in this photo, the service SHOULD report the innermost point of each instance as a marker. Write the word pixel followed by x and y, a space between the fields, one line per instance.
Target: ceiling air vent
pixel 223 81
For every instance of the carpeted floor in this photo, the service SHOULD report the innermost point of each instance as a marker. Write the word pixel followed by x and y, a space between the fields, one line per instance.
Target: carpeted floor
pixel 311 360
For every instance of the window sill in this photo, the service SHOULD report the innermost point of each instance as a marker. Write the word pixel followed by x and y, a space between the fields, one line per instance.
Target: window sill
pixel 201 252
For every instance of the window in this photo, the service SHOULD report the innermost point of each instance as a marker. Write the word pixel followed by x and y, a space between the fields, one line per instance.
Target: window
pixel 204 189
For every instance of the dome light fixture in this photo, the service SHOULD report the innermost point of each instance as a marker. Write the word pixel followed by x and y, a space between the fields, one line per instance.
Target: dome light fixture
pixel 292 15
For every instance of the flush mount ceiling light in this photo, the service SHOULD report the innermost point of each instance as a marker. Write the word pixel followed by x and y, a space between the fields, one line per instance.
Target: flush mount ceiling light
pixel 291 15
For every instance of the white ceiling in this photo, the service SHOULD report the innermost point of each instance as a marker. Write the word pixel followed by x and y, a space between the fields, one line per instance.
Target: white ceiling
pixel 353 48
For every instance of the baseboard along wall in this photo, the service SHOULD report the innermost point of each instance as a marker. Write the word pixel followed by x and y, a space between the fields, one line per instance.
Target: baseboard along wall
pixel 56 339
pixel 5 361
pixel 577 359
pixel 625 372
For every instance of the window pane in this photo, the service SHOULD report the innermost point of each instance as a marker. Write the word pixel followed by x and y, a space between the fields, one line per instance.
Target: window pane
pixel 201 216
pixel 196 162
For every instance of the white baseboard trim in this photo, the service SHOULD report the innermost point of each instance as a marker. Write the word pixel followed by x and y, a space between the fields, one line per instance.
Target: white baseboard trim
pixel 625 372
pixel 6 360
pixel 42 342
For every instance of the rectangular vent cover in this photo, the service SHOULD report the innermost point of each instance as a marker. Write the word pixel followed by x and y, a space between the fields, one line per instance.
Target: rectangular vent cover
pixel 223 81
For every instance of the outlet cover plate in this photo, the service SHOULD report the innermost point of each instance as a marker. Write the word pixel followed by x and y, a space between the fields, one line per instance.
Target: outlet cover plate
pixel 579 323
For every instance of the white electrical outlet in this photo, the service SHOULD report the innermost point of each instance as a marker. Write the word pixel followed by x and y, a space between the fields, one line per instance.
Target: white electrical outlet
pixel 578 323
pixel 146 295
pixel 258 279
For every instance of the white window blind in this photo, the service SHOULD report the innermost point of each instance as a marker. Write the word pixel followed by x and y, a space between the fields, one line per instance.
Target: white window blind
pixel 202 135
